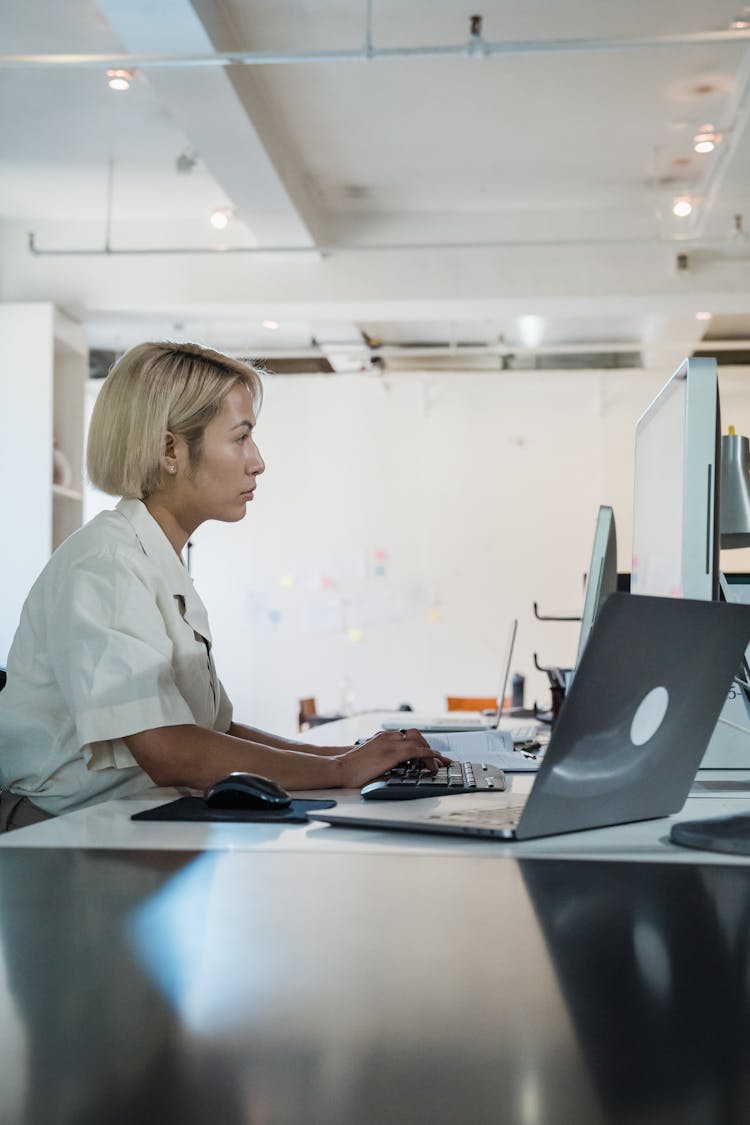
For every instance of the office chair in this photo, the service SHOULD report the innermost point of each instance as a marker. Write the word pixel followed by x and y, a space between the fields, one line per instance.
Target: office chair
pixel 309 716
pixel 471 703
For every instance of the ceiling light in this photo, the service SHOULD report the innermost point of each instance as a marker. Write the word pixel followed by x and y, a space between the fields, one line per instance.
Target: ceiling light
pixel 272 324
pixel 741 22
pixel 682 207
pixel 120 79
pixel 706 139
pixel 703 315
pixel 530 330
pixel 219 217
pixel 476 46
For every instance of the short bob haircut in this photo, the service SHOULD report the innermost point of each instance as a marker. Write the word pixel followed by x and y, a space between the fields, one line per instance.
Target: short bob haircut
pixel 152 389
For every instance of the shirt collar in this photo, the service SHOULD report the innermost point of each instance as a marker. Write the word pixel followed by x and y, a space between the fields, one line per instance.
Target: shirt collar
pixel 163 555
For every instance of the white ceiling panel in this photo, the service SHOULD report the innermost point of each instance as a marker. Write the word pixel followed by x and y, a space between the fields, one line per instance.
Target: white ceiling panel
pixel 572 156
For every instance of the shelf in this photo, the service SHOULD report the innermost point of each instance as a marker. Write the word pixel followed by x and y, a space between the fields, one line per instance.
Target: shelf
pixel 65 493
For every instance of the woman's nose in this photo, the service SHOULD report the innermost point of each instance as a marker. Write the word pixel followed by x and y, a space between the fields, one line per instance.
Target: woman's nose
pixel 259 465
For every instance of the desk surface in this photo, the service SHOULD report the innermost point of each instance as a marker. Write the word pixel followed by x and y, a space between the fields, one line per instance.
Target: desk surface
pixel 293 975
pixel 715 793
pixel 288 989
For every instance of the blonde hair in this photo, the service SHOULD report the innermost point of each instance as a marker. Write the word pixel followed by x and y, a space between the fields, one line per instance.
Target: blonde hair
pixel 152 389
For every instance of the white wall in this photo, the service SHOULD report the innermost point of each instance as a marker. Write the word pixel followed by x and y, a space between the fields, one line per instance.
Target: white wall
pixel 26 368
pixel 481 490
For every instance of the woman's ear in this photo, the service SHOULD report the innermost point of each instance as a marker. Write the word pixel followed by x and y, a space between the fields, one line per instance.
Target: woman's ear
pixel 169 456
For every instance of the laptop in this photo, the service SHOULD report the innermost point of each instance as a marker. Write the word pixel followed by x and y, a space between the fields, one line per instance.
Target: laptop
pixel 630 735
pixel 461 720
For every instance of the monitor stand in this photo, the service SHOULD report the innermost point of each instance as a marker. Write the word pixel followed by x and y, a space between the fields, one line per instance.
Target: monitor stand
pixel 729 748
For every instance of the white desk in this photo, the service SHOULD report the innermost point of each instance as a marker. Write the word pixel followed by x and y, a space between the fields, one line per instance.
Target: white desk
pixel 716 793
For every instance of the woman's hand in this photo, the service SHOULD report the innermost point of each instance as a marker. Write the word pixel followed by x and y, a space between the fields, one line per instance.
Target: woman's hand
pixel 373 756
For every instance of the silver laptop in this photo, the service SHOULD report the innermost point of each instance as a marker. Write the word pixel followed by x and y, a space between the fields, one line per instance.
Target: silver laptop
pixel 457 721
pixel 630 735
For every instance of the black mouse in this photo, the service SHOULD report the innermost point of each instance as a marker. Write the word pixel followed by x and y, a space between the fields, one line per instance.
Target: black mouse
pixel 246 791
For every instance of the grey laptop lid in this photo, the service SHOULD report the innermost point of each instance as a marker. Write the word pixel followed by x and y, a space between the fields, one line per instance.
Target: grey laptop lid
pixel 641 710
pixel 630 735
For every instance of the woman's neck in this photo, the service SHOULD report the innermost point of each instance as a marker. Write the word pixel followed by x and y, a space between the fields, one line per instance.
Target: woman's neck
pixel 173 526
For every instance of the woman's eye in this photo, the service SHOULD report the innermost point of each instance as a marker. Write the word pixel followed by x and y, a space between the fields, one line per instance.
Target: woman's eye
pixel 242 438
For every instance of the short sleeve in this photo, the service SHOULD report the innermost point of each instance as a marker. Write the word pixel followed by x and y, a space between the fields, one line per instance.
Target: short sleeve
pixel 225 712
pixel 111 653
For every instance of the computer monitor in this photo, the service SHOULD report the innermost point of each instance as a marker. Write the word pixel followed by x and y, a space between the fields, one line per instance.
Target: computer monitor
pixel 601 580
pixel 676 497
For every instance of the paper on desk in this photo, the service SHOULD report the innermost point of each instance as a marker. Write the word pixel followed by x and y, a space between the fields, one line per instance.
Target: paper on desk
pixel 495 747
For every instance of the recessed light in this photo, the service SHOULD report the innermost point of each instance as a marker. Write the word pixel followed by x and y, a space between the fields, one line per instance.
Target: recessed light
pixel 272 324
pixel 703 315
pixel 219 217
pixel 120 79
pixel 530 330
pixel 682 207
pixel 706 139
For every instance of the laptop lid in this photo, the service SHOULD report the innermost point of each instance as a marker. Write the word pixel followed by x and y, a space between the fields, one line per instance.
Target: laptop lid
pixel 630 735
pixel 506 669
pixel 641 710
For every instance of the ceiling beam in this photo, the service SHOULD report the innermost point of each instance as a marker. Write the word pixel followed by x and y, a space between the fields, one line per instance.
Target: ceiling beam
pixel 214 117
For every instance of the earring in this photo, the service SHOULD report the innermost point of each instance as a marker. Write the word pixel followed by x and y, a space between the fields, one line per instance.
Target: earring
pixel 172 468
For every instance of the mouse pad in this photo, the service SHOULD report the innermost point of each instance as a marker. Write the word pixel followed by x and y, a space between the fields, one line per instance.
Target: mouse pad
pixel 195 808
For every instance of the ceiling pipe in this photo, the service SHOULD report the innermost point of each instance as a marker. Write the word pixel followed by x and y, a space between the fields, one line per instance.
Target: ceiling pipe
pixel 686 246
pixel 394 351
pixel 369 53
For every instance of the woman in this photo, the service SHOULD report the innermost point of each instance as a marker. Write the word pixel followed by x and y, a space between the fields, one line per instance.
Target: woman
pixel 111 682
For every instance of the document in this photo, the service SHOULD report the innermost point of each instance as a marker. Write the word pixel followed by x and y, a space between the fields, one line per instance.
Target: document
pixel 495 747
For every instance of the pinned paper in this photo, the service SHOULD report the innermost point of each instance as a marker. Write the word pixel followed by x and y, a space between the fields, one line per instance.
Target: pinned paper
pixel 355 635
pixel 435 614
pixel 286 580
pixel 261 611
pixel 343 566
pixel 324 613
pixel 380 571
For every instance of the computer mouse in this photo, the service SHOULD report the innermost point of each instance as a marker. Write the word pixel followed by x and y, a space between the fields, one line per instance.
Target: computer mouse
pixel 246 791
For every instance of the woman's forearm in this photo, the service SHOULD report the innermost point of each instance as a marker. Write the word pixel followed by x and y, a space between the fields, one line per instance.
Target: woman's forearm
pixel 196 757
pixel 263 738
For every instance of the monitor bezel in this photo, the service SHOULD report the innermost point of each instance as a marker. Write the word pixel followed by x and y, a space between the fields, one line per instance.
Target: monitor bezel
pixel 701 469
pixel 601 579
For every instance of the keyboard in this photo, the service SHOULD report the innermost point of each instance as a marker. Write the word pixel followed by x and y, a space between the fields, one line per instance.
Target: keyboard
pixel 410 781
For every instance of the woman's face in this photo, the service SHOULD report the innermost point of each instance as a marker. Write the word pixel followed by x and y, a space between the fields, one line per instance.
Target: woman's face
pixel 221 484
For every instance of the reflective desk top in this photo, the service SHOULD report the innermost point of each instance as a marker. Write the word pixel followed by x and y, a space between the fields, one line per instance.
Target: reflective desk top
pixel 297 988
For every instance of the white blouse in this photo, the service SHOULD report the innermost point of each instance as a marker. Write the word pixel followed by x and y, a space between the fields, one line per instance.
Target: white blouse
pixel 113 640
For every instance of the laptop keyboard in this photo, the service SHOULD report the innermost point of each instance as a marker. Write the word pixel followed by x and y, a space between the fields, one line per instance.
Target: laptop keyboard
pixel 410 781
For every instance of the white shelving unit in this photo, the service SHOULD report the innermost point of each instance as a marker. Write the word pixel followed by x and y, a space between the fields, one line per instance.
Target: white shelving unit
pixel 43 371
pixel 70 371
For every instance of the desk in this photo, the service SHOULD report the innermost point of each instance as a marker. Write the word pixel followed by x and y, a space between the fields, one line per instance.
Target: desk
pixel 716 793
pixel 307 975
pixel 303 989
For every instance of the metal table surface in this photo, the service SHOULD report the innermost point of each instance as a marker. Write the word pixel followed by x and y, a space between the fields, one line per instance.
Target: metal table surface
pixel 281 988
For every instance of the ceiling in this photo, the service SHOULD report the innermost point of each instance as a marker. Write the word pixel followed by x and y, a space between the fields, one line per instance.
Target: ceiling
pixel 397 191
